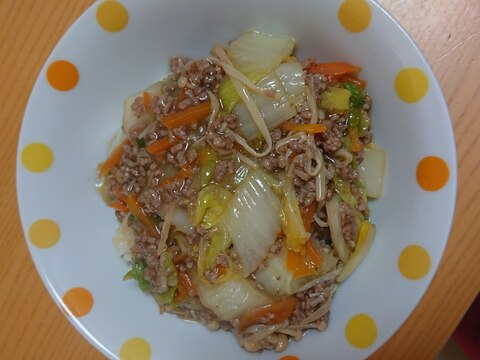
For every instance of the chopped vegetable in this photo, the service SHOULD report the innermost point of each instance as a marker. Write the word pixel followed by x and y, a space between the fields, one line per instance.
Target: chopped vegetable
pixel 147 101
pixel 124 239
pixel 335 99
pixel 113 159
pixel 354 117
pixel 258 52
pixel 292 223
pixel 270 314
pixel 185 288
pixel 343 188
pixel 141 143
pixel 209 250
pixel 358 97
pixel 166 298
pixel 230 299
pixel 211 203
pixel 306 128
pixel 365 240
pixel 255 55
pixel 293 80
pixel 300 265
pixel 189 116
pixel 161 145
pixel 313 253
pixel 335 224
pixel 274 111
pixel 118 205
pixel 355 143
pixel 334 69
pixel 252 238
pixel 372 171
pixel 362 84
pixel 307 213
pixel 185 171
pixel 207 160
pixel 137 211
pixel 137 273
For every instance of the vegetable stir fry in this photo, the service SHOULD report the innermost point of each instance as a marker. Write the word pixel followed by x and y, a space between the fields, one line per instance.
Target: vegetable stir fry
pixel 240 182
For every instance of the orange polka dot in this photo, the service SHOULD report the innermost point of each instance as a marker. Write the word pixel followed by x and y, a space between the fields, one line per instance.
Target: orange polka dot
pixel 62 75
pixel 79 301
pixel 44 233
pixel 355 15
pixel 36 157
pixel 112 16
pixel 414 262
pixel 432 173
pixel 361 331
pixel 289 357
pixel 135 349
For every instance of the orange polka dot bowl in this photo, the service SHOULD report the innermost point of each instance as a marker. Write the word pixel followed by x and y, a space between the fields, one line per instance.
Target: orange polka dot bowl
pixel 119 47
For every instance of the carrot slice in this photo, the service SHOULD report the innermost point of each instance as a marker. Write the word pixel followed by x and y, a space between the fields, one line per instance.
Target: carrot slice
pixel 307 128
pixel 362 84
pixel 137 211
pixel 307 215
pixel 334 69
pixel 147 101
pixel 185 288
pixel 189 116
pixel 113 159
pixel 119 195
pixel 300 265
pixel 185 172
pixel 355 143
pixel 118 205
pixel 270 314
pixel 160 145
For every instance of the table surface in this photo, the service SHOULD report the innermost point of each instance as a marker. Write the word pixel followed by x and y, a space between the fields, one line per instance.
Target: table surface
pixel 448 33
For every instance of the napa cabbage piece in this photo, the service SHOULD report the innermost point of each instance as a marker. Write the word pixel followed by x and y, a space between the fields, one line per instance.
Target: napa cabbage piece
pixel 252 221
pixel 343 188
pixel 335 224
pixel 288 81
pixel 364 242
pixel 372 170
pixel 230 299
pixel 292 224
pixel 207 159
pixel 277 280
pixel 255 54
pixel 211 203
pixel 218 241
pixel 131 122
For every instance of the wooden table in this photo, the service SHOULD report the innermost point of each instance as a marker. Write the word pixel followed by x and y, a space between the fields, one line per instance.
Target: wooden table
pixel 448 33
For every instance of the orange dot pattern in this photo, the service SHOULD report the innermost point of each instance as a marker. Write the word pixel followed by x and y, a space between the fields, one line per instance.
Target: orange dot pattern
pixel 78 301
pixel 62 75
pixel 289 357
pixel 432 173
pixel 36 157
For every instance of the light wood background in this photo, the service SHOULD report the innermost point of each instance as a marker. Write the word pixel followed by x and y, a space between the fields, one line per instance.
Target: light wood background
pixel 448 32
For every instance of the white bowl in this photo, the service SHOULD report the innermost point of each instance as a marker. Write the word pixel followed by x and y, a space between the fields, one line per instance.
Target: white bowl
pixel 76 126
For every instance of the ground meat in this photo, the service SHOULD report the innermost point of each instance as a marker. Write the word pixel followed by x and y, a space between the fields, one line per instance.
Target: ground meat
pixel 223 167
pixel 305 192
pixel 362 204
pixel 177 64
pixel 179 190
pixel 348 173
pixel 150 200
pixel 310 300
pixel 217 136
pixel 332 139
pixel 349 225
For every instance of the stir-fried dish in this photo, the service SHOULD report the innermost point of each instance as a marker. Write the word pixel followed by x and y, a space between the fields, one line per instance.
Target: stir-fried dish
pixel 240 182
